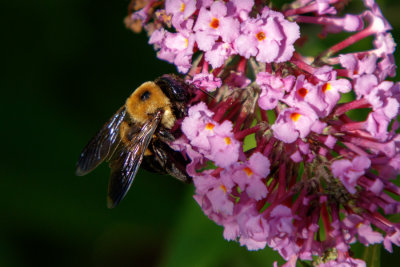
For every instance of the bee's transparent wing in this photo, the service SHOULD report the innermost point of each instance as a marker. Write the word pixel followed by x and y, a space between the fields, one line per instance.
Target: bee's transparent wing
pixel 102 145
pixel 127 159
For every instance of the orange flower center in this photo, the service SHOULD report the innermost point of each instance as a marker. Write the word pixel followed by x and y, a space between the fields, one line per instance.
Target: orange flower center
pixel 210 126
pixel 326 87
pixel 295 116
pixel 260 36
pixel 302 92
pixel 228 140
pixel 223 188
pixel 182 7
pixel 248 171
pixel 214 23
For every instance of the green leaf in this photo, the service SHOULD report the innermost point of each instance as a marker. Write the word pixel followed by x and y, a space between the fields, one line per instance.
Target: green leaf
pixel 371 255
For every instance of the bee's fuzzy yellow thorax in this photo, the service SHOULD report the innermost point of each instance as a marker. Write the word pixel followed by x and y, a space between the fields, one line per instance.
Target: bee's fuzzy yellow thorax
pixel 145 101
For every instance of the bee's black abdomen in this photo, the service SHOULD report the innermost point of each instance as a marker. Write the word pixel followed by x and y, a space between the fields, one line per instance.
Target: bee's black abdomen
pixel 165 160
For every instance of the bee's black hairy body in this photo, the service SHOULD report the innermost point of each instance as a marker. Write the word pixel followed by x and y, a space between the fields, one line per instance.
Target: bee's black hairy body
pixel 139 133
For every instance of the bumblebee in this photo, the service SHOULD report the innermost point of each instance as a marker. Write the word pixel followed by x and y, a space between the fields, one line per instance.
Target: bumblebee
pixel 138 135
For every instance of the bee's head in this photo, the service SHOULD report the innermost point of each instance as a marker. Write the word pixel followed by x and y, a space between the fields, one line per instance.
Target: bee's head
pixel 145 101
pixel 174 88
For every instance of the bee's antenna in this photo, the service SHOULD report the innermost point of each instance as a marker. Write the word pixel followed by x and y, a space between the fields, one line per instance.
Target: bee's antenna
pixel 204 91
pixel 207 93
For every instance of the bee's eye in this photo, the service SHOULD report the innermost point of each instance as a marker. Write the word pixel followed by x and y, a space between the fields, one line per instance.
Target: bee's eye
pixel 145 95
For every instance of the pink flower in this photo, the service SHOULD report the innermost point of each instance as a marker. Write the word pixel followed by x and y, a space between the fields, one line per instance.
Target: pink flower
pixel 276 154
pixel 305 93
pixel 272 89
pixel 180 9
pixel 324 7
pixel 384 44
pixel 240 8
pixel 281 231
pixel 214 23
pixel 294 123
pixel 249 176
pixel 212 139
pixel 356 66
pixel 392 238
pixel 198 126
pixel 253 228
pixel 217 191
pixel 330 92
pixel 206 81
pixel 355 224
pixel 177 47
pixel 381 97
pixel 224 147
pixel 269 38
pixel 350 171
pixel 219 53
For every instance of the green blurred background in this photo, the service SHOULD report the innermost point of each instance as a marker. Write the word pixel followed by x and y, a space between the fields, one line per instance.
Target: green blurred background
pixel 67 66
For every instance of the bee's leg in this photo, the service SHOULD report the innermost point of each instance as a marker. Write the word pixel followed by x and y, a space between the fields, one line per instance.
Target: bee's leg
pixel 171 161
pixel 150 163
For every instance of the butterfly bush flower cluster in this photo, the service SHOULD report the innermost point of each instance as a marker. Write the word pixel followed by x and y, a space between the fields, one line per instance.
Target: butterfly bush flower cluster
pixel 277 155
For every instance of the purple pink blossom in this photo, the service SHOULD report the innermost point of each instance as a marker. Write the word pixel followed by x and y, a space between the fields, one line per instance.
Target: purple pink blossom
pixel 312 168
